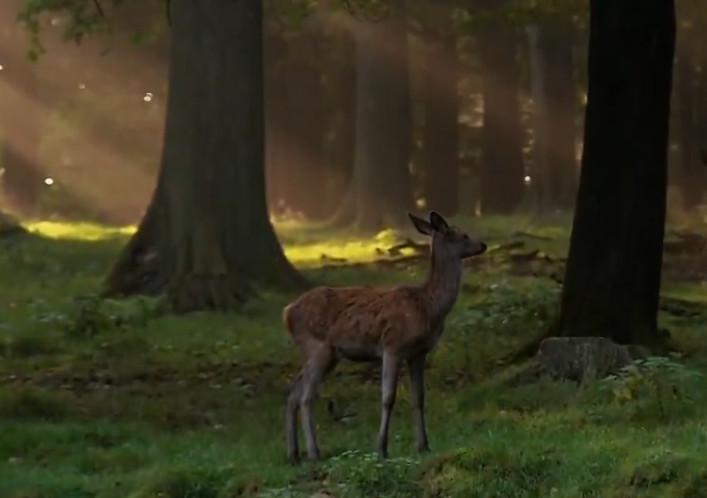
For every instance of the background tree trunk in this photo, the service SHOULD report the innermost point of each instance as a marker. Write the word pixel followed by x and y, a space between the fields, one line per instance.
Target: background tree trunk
pixel 613 274
pixel 540 174
pixel 21 121
pixel 692 171
pixel 206 236
pixel 556 42
pixel 343 148
pixel 502 169
pixel 381 190
pixel 303 133
pixel 441 128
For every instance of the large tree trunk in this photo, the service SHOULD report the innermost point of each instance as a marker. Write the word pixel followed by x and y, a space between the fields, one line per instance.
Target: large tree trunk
pixel 206 236
pixel 692 171
pixel 441 129
pixel 613 273
pixel 556 42
pixel 502 169
pixel 381 190
pixel 21 120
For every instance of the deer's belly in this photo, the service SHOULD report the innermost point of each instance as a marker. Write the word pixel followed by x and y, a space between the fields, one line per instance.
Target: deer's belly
pixel 358 354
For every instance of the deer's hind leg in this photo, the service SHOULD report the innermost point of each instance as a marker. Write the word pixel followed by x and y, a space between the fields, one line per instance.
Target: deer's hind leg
pixel 291 412
pixel 321 361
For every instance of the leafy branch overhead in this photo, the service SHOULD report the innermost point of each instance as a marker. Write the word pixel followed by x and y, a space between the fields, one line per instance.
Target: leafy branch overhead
pixel 80 19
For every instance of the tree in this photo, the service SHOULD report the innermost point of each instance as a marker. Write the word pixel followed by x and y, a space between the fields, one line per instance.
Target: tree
pixel 380 189
pixel 297 120
pixel 21 119
pixel 502 168
pixel 552 87
pixel 691 88
pixel 206 238
pixel 613 274
pixel 556 41
pixel 441 127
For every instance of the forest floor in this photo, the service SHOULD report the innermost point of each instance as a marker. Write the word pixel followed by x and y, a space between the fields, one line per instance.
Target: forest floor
pixel 112 400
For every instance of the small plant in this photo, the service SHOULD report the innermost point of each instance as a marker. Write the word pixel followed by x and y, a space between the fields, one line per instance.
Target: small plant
pixel 91 315
pixel 657 378
pixel 355 473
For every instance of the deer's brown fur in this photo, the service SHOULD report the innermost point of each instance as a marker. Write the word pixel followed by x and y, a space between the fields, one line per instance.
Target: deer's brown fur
pixel 394 324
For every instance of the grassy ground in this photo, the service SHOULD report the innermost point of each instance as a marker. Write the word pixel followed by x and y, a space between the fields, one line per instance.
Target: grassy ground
pixel 110 400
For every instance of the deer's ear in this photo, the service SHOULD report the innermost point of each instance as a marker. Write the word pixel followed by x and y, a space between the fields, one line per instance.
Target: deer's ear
pixel 437 222
pixel 422 226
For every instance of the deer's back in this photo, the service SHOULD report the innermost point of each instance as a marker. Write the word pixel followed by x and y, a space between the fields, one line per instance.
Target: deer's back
pixel 358 321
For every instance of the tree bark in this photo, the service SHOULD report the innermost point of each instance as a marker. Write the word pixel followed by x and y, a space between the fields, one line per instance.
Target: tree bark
pixel 613 274
pixel 21 122
pixel 441 128
pixel 206 237
pixel 692 171
pixel 502 169
pixel 381 191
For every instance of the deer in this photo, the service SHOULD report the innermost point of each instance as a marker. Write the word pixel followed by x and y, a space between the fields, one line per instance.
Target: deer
pixel 393 325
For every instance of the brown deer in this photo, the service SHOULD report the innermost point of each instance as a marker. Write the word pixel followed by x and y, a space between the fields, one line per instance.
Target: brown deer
pixel 393 324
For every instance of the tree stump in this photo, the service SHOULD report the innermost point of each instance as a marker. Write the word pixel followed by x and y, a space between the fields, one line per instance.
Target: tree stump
pixel 578 359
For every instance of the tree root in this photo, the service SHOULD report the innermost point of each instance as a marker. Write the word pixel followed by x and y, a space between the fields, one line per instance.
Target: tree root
pixel 578 359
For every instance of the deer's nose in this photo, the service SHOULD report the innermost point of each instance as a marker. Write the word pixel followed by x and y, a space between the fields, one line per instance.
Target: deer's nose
pixel 483 248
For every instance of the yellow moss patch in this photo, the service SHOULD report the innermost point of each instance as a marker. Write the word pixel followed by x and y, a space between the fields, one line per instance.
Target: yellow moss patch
pixel 77 231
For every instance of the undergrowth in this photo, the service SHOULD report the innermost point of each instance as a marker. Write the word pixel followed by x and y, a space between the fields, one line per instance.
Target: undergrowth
pixel 115 399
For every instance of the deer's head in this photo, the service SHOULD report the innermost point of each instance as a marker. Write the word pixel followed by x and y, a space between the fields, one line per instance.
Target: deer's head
pixel 450 241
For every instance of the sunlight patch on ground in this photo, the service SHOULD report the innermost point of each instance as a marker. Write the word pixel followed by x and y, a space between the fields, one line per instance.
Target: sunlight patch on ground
pixel 349 249
pixel 77 231
pixel 304 253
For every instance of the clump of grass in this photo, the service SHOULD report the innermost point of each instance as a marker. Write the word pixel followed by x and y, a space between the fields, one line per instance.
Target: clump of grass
pixel 27 402
pixel 183 483
pixel 662 472
pixel 90 315
pixel 354 473
pixel 28 344
pixel 491 471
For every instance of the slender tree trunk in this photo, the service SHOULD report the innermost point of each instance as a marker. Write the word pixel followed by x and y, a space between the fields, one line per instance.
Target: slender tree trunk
pixel 275 122
pixel 556 42
pixel 441 128
pixel 541 186
pixel 21 122
pixel 206 236
pixel 502 169
pixel 304 171
pixel 344 125
pixel 381 190
pixel 688 101
pixel 613 274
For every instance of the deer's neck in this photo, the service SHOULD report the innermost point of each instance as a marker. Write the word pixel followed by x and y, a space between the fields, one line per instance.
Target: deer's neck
pixel 442 285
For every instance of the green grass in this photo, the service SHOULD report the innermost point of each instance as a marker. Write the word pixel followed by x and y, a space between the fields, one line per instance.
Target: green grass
pixel 107 399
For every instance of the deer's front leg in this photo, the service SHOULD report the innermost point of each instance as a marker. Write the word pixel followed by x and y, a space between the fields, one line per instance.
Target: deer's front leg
pixel 416 369
pixel 389 384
